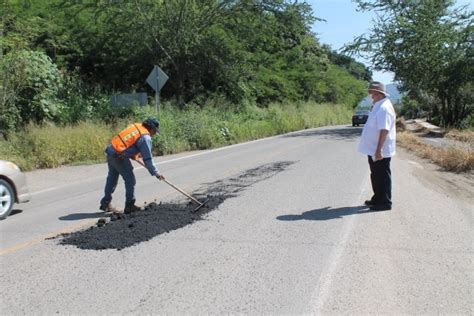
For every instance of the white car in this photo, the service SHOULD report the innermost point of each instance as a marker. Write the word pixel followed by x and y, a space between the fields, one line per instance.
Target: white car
pixel 13 188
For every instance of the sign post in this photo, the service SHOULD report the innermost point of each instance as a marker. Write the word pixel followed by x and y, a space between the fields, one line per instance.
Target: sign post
pixel 157 79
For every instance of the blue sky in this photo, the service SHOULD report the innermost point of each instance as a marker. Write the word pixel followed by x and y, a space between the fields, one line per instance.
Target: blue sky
pixel 344 23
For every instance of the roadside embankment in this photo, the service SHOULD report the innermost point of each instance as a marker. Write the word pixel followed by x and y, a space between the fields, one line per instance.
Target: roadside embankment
pixel 451 150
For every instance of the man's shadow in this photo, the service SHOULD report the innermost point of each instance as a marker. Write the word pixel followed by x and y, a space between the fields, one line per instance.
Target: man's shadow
pixel 79 216
pixel 326 213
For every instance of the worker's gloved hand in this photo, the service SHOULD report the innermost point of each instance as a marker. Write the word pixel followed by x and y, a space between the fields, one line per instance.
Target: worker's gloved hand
pixel 159 176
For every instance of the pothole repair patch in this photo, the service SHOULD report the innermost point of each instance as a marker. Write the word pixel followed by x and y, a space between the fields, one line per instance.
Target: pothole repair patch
pixel 121 231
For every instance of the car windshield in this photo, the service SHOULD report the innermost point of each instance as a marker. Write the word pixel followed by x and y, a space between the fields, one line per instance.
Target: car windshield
pixel 362 113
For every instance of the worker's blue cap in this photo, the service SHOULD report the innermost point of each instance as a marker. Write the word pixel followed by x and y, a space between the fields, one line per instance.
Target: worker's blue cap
pixel 153 123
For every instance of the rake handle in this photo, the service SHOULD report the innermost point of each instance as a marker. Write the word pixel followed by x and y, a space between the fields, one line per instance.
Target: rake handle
pixel 178 189
pixel 175 187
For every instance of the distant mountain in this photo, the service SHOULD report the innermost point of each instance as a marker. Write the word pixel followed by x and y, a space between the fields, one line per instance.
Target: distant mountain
pixel 395 96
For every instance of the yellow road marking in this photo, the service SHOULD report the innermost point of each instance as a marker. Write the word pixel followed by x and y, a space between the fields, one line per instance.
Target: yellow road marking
pixel 36 241
pixel 67 230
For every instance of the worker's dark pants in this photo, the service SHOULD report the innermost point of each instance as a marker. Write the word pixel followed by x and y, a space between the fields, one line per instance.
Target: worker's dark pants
pixel 119 166
pixel 381 178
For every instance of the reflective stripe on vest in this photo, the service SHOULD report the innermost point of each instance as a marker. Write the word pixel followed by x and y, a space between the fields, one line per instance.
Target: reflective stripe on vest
pixel 128 137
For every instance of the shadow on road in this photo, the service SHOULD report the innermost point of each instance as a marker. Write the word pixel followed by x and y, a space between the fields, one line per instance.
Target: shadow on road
pixel 348 133
pixel 79 216
pixel 326 213
pixel 15 212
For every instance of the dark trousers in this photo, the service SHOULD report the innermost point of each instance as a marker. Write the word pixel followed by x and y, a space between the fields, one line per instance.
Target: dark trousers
pixel 381 178
pixel 119 167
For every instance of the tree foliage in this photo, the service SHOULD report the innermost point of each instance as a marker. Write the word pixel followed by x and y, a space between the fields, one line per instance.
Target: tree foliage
pixel 355 68
pixel 30 84
pixel 257 51
pixel 428 45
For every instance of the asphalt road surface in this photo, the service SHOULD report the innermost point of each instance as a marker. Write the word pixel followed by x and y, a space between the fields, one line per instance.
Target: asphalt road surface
pixel 290 236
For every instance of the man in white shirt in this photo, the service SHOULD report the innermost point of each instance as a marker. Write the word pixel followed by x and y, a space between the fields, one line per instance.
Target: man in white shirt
pixel 378 143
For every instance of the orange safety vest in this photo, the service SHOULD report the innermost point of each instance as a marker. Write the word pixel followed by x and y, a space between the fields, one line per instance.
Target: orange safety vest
pixel 128 137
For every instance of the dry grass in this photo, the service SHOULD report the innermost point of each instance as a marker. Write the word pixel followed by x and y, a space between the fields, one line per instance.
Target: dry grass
pixel 462 136
pixel 400 124
pixel 458 158
pixel 52 146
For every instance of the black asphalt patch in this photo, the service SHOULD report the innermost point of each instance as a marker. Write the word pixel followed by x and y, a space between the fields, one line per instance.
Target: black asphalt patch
pixel 122 231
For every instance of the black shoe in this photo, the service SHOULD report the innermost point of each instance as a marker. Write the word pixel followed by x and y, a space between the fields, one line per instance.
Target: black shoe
pixel 380 207
pixel 369 203
pixel 107 208
pixel 132 208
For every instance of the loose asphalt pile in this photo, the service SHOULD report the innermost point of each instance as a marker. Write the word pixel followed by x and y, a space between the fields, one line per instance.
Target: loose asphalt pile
pixel 120 231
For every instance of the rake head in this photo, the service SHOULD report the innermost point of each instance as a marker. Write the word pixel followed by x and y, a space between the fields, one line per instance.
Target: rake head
pixel 200 205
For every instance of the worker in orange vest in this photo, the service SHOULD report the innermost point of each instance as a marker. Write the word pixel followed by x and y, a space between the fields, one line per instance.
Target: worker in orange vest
pixel 134 142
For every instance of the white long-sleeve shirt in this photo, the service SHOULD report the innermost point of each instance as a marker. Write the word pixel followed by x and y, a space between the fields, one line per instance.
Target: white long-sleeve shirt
pixel 381 117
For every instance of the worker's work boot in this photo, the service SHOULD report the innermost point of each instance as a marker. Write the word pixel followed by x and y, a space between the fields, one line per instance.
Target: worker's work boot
pixel 131 208
pixel 107 208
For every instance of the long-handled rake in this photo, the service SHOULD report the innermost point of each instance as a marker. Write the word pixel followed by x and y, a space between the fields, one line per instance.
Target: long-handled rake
pixel 188 195
pixel 181 191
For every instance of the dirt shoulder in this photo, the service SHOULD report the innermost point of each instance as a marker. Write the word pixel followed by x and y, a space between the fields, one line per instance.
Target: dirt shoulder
pixel 459 185
pixel 424 144
pixel 437 136
pixel 427 141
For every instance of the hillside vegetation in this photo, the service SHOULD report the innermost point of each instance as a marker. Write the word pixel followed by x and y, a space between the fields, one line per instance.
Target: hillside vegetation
pixel 237 70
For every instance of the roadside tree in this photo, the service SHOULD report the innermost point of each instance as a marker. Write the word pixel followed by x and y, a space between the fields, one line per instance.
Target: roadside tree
pixel 428 45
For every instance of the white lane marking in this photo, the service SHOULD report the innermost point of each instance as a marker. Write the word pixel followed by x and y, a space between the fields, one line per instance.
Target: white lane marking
pixel 45 190
pixel 164 162
pixel 326 279
pixel 185 157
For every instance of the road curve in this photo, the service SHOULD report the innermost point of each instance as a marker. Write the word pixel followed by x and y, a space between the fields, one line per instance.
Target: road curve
pixel 291 237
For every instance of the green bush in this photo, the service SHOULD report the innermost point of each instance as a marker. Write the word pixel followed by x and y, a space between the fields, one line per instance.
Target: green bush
pixel 38 81
pixel 80 102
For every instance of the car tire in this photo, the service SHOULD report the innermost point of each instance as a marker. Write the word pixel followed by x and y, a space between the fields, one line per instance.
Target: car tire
pixel 7 198
pixel 353 125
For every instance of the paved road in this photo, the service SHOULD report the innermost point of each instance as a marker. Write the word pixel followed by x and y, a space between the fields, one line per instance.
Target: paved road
pixel 292 241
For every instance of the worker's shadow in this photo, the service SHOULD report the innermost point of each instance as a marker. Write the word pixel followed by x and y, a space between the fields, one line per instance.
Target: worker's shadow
pixel 326 213
pixel 79 216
